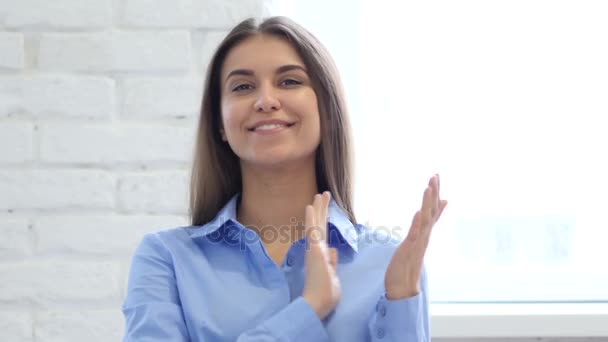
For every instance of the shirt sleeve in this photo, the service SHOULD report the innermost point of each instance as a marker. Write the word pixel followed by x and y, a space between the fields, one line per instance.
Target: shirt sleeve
pixel 153 312
pixel 152 308
pixel 405 320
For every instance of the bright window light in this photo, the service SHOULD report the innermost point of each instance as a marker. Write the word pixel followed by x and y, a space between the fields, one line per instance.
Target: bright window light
pixel 508 101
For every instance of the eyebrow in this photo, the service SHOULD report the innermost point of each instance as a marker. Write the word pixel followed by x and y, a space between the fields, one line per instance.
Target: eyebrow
pixel 280 70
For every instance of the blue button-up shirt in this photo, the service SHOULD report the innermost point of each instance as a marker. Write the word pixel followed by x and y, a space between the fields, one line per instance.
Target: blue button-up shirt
pixel 217 283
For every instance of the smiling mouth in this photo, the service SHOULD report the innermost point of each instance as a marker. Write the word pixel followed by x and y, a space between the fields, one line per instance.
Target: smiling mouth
pixel 270 127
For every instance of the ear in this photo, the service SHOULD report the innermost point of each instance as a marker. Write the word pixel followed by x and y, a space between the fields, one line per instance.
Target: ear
pixel 223 134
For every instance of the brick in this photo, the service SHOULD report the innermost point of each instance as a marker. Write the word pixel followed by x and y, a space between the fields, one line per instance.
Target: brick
pixel 113 143
pixel 50 282
pixel 116 51
pixel 16 326
pixel 12 51
pixel 80 234
pixel 209 41
pixel 163 192
pixel 192 13
pixel 57 14
pixel 15 241
pixel 16 142
pixel 52 189
pixel 80 325
pixel 162 97
pixel 53 96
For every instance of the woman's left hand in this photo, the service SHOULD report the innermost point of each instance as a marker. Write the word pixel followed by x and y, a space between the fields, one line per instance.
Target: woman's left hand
pixel 402 276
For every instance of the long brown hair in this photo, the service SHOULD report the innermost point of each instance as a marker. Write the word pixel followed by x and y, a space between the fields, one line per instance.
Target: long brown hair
pixel 216 173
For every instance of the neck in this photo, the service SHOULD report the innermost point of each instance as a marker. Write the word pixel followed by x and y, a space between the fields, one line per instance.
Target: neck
pixel 275 199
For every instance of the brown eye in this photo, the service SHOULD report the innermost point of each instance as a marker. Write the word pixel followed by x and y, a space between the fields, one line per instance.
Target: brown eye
pixel 290 82
pixel 242 87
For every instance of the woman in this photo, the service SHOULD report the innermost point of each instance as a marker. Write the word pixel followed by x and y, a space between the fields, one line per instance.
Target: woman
pixel 274 252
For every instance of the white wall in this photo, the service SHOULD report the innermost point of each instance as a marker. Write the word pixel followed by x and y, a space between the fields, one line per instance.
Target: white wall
pixel 98 104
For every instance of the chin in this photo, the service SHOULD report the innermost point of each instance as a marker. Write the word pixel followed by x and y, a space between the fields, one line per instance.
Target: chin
pixel 276 159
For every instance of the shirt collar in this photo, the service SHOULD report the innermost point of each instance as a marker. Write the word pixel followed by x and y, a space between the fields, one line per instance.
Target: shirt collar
pixel 336 217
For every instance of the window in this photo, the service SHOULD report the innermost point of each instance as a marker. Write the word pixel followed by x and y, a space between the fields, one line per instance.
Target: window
pixel 507 100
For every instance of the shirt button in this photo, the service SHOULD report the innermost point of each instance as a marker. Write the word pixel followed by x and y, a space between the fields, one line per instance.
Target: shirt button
pixel 289 261
pixel 380 333
pixel 382 311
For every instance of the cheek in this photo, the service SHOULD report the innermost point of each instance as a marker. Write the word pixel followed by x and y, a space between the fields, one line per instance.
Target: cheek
pixel 305 104
pixel 313 115
pixel 232 116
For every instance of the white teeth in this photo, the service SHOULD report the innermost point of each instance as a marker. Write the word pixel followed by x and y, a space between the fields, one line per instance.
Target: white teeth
pixel 268 127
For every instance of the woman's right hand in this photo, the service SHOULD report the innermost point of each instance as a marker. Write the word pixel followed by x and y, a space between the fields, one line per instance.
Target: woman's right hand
pixel 322 286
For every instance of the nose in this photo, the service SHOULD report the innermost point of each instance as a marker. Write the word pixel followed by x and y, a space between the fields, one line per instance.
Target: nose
pixel 267 100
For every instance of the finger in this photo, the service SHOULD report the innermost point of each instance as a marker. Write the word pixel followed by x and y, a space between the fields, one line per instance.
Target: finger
pixel 438 184
pixel 311 232
pixel 426 203
pixel 322 222
pixel 325 199
pixel 320 217
pixel 426 226
pixel 414 231
pixel 434 195
pixel 442 205
pixel 316 204
pixel 426 220
pixel 333 257
pixel 310 240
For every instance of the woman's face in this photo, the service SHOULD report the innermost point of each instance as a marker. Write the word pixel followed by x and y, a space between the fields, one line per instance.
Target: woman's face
pixel 269 107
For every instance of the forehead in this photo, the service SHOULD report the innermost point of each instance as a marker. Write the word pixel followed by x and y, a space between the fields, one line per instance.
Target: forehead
pixel 261 53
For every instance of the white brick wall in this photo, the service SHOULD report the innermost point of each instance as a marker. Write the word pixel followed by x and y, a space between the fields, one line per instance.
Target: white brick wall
pixel 98 108
pixel 136 192
pixel 12 51
pixel 81 234
pixel 156 97
pixel 16 326
pixel 17 139
pixel 118 51
pixel 16 239
pixel 57 96
pixel 42 187
pixel 56 14
pixel 96 325
pixel 52 281
pixel 190 13
pixel 109 143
